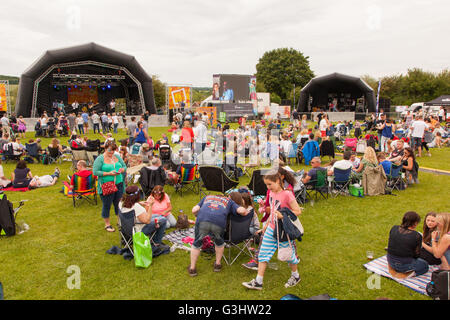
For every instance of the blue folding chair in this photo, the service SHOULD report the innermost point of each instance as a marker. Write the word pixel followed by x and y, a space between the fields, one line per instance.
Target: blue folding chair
pixel 293 153
pixel 341 181
pixel 394 177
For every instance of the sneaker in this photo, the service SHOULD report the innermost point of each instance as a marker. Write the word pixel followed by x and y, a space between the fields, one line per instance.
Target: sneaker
pixel 191 272
pixel 292 281
pixel 252 285
pixel 217 267
pixel 252 265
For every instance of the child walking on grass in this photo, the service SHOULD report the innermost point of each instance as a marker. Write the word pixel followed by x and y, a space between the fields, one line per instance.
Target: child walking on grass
pixel 278 198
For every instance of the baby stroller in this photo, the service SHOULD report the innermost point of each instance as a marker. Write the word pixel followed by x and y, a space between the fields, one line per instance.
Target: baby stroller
pixel 37 129
pixel 51 128
pixel 164 153
pixel 64 129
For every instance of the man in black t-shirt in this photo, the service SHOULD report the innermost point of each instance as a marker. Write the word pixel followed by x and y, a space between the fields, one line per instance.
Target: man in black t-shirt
pixel 378 125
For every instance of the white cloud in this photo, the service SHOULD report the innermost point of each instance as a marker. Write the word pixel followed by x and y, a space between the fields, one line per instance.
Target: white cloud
pixel 188 41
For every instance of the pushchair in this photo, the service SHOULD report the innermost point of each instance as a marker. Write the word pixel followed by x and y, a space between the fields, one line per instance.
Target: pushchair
pixel 38 130
pixel 51 128
pixel 64 129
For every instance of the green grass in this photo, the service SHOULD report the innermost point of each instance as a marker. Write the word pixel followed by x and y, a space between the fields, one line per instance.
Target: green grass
pixel 338 232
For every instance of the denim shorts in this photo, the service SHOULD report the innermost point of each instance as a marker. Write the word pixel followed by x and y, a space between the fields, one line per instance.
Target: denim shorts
pixel 204 228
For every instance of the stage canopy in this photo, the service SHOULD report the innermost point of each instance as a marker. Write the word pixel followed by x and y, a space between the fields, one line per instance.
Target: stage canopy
pixel 440 101
pixel 320 89
pixel 90 71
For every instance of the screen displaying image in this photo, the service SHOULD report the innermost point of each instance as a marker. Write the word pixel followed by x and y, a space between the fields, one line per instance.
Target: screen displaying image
pixel 232 87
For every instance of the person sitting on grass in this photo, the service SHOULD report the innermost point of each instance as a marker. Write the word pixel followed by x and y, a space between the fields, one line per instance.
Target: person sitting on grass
pixel 44 181
pixel 143 212
pixel 21 177
pixel 440 240
pixel 212 212
pixel 278 199
pixel 426 252
pixel 404 246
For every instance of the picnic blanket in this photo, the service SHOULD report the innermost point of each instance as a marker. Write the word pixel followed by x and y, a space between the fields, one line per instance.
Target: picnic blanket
pixel 16 189
pixel 418 284
pixel 177 236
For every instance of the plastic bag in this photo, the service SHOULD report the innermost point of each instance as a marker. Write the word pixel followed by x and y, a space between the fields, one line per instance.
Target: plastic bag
pixel 142 250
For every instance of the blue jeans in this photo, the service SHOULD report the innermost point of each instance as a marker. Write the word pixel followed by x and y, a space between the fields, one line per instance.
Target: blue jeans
pixel 150 228
pixel 204 228
pixel 116 125
pixel 112 199
pixel 97 127
pixel 419 265
pixel 80 129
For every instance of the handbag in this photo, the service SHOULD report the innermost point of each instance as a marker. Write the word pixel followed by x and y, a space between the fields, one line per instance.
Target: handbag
pixel 109 187
pixel 284 254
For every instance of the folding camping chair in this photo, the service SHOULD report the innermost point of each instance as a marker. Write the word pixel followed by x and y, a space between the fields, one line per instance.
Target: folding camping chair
pixel 78 155
pixel 341 181
pixel 128 226
pixel 299 188
pixel 318 186
pixel 257 184
pixel 215 179
pixel 54 155
pixel 394 177
pixel 148 179
pixel 83 188
pixel 8 153
pixel 293 153
pixel 32 151
pixel 189 180
pixel 237 235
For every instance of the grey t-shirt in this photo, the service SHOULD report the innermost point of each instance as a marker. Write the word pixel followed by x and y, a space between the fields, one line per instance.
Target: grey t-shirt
pixel 131 128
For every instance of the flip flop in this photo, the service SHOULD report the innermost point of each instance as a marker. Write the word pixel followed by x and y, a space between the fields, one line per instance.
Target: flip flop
pixel 109 229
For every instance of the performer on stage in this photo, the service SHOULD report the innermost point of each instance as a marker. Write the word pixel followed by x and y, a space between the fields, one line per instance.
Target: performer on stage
pixel 112 106
pixel 75 106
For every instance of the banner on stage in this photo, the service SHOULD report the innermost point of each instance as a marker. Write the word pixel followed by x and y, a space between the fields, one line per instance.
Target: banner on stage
pixel 82 94
pixel 3 97
pixel 177 96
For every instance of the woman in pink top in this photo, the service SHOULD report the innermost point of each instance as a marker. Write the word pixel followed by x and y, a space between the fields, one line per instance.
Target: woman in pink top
pixel 278 198
pixel 161 206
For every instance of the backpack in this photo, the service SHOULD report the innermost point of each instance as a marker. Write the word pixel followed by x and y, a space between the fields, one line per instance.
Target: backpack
pixel 135 148
pixel 45 159
pixel 182 222
pixel 7 218
pixel 439 286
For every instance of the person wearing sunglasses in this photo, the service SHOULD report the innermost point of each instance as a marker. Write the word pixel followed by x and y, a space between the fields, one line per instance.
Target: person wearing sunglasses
pixel 161 206
pixel 110 167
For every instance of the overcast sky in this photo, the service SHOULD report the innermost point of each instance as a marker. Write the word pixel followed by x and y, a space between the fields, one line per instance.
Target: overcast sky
pixel 186 42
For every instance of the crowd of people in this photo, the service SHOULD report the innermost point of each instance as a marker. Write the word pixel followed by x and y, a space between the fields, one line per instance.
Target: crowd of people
pixel 263 143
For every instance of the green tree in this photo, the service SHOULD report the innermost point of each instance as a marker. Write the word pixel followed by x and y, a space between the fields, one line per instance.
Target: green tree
pixel 159 92
pixel 281 68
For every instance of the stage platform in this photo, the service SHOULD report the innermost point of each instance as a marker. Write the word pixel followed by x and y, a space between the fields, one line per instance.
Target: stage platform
pixel 153 121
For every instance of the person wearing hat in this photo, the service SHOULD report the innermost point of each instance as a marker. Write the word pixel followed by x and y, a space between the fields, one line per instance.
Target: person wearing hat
pixel 146 153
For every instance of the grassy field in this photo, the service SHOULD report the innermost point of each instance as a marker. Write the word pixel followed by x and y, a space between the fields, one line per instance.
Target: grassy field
pixel 338 232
